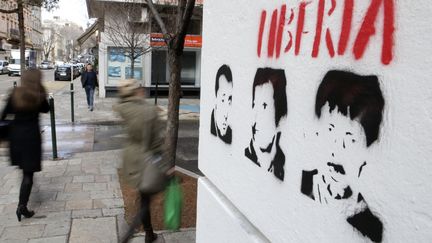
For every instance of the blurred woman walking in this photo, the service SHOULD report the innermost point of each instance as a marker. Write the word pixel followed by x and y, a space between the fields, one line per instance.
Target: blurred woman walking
pixel 142 150
pixel 25 103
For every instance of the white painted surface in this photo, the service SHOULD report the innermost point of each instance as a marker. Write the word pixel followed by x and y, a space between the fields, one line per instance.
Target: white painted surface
pixel 395 182
pixel 222 215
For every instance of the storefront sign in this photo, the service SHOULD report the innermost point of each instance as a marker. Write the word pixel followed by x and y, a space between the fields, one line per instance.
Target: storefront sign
pixel 156 39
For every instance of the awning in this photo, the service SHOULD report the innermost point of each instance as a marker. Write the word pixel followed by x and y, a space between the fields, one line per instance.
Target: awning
pixel 89 32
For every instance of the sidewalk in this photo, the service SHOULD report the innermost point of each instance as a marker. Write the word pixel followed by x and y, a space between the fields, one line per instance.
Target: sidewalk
pixel 77 199
pixel 103 112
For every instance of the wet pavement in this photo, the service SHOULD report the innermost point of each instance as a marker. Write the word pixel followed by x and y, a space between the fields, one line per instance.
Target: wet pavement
pixel 111 136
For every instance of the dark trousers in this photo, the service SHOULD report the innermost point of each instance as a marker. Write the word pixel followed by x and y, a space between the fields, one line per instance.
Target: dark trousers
pixel 145 211
pixel 90 95
pixel 26 187
pixel 143 217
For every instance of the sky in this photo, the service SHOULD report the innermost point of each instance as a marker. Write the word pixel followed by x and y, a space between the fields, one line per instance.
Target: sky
pixel 72 10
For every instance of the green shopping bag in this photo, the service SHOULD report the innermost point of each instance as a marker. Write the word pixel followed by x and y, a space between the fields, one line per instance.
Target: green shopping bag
pixel 173 205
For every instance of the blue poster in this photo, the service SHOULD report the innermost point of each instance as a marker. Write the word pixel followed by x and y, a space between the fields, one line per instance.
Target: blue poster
pixel 137 73
pixel 116 55
pixel 114 71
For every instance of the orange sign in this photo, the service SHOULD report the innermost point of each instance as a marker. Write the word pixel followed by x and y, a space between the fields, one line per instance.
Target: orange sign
pixel 175 2
pixel 156 39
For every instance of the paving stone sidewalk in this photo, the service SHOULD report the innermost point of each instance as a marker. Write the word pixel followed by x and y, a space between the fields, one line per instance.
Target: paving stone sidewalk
pixel 76 200
pixel 103 112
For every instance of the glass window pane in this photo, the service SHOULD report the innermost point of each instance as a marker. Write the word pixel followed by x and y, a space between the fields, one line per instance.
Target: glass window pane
pixel 159 62
pixel 189 68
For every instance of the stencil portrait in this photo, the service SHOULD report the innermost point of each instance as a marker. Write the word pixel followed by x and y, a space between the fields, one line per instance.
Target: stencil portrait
pixel 219 123
pixel 349 108
pixel 269 106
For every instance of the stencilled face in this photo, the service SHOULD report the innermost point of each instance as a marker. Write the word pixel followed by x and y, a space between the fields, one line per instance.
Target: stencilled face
pixel 223 105
pixel 264 128
pixel 345 158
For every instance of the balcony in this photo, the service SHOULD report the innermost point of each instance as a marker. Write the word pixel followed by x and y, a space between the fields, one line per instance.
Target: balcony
pixel 14 34
pixel 14 38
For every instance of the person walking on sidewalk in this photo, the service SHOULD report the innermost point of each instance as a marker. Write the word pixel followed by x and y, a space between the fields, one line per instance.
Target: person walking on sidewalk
pixel 25 103
pixel 144 140
pixel 89 82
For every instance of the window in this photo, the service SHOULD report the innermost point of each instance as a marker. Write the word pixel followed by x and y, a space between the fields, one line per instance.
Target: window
pixel 160 68
pixel 189 68
pixel 159 62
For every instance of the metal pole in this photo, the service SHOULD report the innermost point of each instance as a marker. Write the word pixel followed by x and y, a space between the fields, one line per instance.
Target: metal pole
pixel 156 91
pixel 53 126
pixel 72 95
pixel 72 102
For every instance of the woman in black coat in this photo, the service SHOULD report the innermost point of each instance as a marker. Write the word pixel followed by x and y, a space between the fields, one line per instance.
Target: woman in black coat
pixel 25 143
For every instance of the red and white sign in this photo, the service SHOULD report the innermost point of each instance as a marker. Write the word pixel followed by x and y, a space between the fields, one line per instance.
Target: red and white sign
pixel 156 39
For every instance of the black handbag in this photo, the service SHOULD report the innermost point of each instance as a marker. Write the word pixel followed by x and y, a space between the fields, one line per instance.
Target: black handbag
pixel 4 129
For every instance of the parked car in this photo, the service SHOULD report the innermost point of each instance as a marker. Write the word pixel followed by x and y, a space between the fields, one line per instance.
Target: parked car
pixel 4 66
pixel 82 67
pixel 46 65
pixel 63 72
pixel 77 68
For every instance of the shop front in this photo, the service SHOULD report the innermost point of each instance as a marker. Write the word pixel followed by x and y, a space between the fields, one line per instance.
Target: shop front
pixel 191 64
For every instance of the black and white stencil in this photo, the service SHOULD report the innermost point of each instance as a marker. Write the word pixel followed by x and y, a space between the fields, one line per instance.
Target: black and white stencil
pixel 269 106
pixel 349 108
pixel 219 124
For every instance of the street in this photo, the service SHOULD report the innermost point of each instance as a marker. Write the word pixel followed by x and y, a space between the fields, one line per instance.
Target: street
pixel 6 82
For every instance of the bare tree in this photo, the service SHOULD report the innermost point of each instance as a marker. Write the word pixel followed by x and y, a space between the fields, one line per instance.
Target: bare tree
pixel 48 43
pixel 127 30
pixel 174 37
pixel 71 32
pixel 21 4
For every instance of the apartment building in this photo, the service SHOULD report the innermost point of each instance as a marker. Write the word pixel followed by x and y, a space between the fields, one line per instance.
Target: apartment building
pixel 9 30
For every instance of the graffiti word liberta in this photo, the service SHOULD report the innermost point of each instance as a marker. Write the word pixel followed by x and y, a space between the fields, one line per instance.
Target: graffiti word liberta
pixel 281 22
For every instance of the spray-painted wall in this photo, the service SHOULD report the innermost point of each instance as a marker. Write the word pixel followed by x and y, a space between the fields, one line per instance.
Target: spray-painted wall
pixel 315 120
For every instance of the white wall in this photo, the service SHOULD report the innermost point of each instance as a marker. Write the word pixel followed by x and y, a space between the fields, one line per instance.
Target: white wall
pixel 394 183
pixel 223 215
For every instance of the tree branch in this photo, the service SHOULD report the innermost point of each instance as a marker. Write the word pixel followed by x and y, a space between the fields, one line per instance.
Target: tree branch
pixel 157 17
pixel 187 16
pixel 182 27
pixel 180 11
pixel 9 11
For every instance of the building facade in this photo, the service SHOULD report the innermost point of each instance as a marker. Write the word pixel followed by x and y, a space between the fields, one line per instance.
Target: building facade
pixel 151 68
pixel 61 34
pixel 9 30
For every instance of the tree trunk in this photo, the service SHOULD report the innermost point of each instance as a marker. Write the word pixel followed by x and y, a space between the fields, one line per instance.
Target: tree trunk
pixel 173 105
pixel 22 35
pixel 132 55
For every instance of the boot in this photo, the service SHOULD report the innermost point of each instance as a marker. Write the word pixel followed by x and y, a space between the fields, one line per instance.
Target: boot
pixel 23 211
pixel 150 236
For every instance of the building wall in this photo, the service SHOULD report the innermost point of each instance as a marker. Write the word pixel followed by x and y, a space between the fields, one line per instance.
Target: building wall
pixel 332 144
pixel 9 27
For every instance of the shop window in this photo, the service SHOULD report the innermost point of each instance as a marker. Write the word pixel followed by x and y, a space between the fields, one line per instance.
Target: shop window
pixel 119 66
pixel 159 67
pixel 189 68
